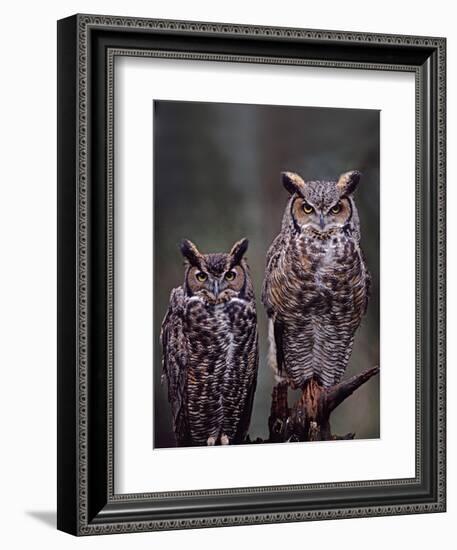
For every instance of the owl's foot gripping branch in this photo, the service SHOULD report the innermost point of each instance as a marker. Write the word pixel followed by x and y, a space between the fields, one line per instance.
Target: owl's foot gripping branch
pixel 309 418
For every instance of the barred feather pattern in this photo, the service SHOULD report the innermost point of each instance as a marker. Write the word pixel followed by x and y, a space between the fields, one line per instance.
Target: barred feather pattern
pixel 315 292
pixel 175 363
pixel 210 362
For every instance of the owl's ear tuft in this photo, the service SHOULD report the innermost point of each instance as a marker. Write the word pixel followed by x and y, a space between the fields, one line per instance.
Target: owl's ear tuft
pixel 190 252
pixel 238 251
pixel 293 182
pixel 348 182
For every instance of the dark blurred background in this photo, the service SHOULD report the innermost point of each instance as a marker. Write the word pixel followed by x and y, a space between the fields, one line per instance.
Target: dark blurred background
pixel 217 178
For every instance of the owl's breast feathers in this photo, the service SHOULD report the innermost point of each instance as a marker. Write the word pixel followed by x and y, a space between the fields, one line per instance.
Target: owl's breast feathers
pixel 212 372
pixel 315 292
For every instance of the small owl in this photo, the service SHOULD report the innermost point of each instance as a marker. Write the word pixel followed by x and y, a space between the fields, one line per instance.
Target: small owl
pixel 316 283
pixel 210 349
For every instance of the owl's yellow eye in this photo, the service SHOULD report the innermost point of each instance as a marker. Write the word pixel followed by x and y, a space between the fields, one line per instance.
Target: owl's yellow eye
pixel 201 277
pixel 335 209
pixel 307 208
pixel 230 276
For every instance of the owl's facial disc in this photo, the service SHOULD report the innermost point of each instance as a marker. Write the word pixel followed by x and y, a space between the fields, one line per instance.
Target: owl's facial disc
pixel 305 213
pixel 321 218
pixel 339 213
pixel 233 280
pixel 198 280
pixel 226 286
pixel 216 288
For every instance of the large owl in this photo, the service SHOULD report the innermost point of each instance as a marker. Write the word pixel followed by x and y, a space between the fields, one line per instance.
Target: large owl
pixel 316 282
pixel 210 349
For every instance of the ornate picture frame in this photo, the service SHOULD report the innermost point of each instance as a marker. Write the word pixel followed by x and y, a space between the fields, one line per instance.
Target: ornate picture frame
pixel 87 500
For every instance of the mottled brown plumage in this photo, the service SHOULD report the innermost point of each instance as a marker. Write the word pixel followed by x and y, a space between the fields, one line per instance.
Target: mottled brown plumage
pixel 316 283
pixel 210 350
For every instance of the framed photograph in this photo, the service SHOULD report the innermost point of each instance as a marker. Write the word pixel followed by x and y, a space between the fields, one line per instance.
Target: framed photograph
pixel 251 274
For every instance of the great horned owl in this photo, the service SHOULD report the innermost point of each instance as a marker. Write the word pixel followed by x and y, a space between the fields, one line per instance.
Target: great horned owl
pixel 210 349
pixel 316 282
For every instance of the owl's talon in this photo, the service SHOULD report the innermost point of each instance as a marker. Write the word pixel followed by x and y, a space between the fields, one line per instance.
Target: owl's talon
pixel 211 441
pixel 224 439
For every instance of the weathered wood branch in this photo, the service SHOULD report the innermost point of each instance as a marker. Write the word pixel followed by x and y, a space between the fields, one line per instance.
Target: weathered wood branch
pixel 337 394
pixel 309 418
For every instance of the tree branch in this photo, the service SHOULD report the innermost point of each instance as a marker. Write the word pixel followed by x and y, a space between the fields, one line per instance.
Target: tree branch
pixel 337 394
pixel 308 419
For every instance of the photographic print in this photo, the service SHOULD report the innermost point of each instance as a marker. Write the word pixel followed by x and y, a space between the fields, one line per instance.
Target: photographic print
pixel 266 274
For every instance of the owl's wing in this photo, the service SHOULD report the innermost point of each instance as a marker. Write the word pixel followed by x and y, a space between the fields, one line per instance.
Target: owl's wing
pixel 174 350
pixel 368 285
pixel 271 262
pixel 253 359
pixel 275 332
pixel 274 249
pixel 368 281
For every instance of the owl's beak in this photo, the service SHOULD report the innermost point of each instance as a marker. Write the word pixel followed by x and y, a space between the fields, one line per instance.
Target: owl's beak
pixel 215 288
pixel 321 221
